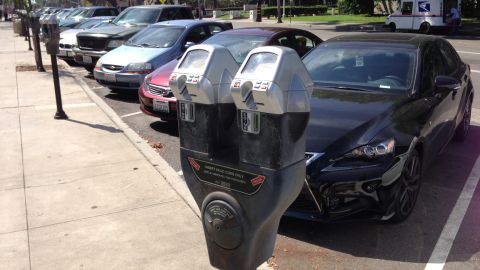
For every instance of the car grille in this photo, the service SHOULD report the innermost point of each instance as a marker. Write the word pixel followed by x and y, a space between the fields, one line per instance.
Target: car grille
pixel 159 90
pixel 91 44
pixel 65 46
pixel 112 67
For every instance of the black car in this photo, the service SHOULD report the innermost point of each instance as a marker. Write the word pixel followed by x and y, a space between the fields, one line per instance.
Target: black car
pixel 93 44
pixel 383 106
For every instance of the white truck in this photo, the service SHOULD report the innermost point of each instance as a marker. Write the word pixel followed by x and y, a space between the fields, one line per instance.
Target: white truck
pixel 421 15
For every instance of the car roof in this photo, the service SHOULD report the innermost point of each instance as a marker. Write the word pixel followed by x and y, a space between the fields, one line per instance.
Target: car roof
pixel 415 40
pixel 99 7
pixel 258 31
pixel 160 6
pixel 184 23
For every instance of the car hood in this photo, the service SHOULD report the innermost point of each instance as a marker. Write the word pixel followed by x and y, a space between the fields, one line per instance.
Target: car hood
pixel 161 75
pixel 114 31
pixel 341 120
pixel 125 55
pixel 69 36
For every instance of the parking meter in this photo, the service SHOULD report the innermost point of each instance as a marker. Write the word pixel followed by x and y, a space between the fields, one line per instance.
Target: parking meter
pixel 51 33
pixel 242 191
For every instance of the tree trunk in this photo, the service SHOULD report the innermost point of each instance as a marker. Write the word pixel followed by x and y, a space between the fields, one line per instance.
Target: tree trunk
pixel 279 12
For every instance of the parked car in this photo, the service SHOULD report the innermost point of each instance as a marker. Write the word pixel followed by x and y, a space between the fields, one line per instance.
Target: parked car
pixel 68 39
pixel 95 43
pixel 126 66
pixel 62 14
pixel 384 105
pixel 155 96
pixel 87 12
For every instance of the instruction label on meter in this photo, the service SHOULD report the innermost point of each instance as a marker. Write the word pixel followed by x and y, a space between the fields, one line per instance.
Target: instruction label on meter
pixel 226 177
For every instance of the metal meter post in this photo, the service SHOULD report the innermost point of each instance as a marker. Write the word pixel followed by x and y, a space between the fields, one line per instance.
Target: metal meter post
pixel 51 34
pixel 241 197
pixel 34 20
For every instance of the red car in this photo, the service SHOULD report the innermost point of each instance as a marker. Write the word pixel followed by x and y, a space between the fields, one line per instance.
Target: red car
pixel 155 96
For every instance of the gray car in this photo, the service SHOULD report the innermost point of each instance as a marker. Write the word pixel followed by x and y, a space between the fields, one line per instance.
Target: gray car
pixel 154 46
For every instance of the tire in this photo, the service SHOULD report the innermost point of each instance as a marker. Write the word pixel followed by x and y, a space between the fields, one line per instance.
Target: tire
pixel 393 27
pixel 462 130
pixel 89 68
pixel 408 187
pixel 425 28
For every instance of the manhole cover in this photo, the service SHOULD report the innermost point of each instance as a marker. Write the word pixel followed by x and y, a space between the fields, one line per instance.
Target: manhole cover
pixel 22 68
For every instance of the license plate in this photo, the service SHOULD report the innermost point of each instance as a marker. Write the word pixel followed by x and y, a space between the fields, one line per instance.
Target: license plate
pixel 62 53
pixel 160 106
pixel 109 77
pixel 87 59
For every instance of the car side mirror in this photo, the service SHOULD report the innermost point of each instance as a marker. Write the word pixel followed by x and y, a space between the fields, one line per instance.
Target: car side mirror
pixel 188 44
pixel 445 84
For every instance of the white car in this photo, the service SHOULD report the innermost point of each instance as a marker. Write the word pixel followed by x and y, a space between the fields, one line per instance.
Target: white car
pixel 68 38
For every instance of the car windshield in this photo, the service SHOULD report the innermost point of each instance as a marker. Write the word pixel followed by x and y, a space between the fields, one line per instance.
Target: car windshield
pixel 64 13
pixel 83 14
pixel 156 37
pixel 75 13
pixel 238 45
pixel 136 16
pixel 87 24
pixel 375 67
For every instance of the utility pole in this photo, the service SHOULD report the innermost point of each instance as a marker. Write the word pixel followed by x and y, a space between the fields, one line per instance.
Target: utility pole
pixel 279 12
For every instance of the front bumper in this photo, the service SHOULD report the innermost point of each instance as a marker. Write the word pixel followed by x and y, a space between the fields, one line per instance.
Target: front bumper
pixel 87 58
pixel 349 193
pixel 65 53
pixel 146 105
pixel 118 79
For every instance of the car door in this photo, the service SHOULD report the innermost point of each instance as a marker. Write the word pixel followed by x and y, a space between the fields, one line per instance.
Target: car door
pixel 439 125
pixel 456 69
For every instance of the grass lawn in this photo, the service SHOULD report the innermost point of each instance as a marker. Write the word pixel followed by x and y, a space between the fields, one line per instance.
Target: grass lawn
pixel 339 19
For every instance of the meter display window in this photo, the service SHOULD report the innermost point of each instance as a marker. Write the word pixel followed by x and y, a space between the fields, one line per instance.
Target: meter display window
pixel 260 64
pixel 195 61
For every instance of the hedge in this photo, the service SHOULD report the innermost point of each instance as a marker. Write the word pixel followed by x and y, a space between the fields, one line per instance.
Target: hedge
pixel 295 10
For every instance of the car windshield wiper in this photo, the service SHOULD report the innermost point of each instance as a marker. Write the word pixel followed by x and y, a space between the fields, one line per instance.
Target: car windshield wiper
pixel 147 45
pixel 349 88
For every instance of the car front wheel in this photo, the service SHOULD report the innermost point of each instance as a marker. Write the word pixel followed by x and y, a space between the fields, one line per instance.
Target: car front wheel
pixel 408 187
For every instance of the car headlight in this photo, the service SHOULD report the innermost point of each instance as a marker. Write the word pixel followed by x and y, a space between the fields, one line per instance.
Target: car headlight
pixel 112 44
pixel 140 68
pixel 372 150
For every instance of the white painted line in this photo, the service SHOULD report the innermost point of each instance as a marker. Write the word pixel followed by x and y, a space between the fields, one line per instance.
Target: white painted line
pixel 180 173
pixel 444 244
pixel 130 114
pixel 475 71
pixel 52 107
pixel 475 116
pixel 468 52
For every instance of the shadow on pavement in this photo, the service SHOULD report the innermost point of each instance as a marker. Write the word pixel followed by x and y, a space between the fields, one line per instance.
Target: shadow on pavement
pixel 170 127
pixel 123 95
pixel 410 241
pixel 97 126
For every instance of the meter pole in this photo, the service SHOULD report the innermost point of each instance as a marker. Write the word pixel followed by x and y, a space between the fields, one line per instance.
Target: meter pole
pixel 28 36
pixel 60 114
pixel 38 53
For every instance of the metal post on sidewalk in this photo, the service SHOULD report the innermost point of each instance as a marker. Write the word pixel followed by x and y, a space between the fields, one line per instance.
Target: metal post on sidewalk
pixel 60 114
pixel 259 11
pixel 35 25
pixel 28 35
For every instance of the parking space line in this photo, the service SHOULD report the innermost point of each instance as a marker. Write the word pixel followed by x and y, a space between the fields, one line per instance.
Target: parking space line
pixel 131 114
pixel 52 107
pixel 445 241
pixel 468 52
pixel 180 173
pixel 475 71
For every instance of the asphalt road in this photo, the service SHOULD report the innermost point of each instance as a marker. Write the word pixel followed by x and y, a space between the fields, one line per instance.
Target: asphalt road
pixel 365 245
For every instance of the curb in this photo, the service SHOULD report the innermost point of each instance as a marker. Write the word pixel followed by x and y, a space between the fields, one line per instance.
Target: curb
pixel 166 171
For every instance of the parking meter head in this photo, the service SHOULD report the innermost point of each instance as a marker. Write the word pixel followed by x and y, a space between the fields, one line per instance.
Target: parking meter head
pixel 51 33
pixel 272 92
pixel 201 83
pixel 35 22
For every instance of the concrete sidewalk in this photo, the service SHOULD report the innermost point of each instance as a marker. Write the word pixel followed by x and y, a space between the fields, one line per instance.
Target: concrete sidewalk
pixel 77 193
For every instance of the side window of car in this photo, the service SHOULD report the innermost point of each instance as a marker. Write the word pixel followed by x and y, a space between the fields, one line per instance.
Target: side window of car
pixel 407 8
pixel 167 14
pixel 102 12
pixel 113 12
pixel 214 29
pixel 432 66
pixel 183 14
pixel 196 35
pixel 303 44
pixel 450 58
pixel 281 41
